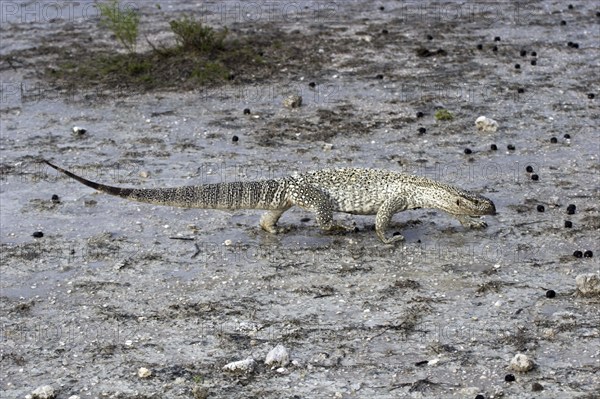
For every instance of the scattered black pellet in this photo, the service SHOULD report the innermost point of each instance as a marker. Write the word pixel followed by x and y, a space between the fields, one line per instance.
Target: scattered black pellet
pixel 429 37
pixel 55 198
pixel 570 6
pixel 550 294
pixel 520 90
pixel 37 234
pixel 567 136
pixel 517 66
pixel 571 209
pixel 588 254
pixel 536 387
pixel 246 111
pixel 534 54
pixel 384 31
pixel 509 378
pixel 578 254
pixel 563 22
pixel 570 44
pixel 598 13
pixel 523 53
pixel 529 169
pixel 382 8
pixel 510 147
pixel 495 48
pixel 235 139
pixel 533 62
pixel 497 39
pixel 591 96
pixel 540 208
pixel 479 397
pixel 420 114
pixel 494 147
pixel 575 45
pixel 379 76
pixel 312 84
pixel 568 224
pixel 553 140
pixel 535 177
pixel 480 47
pixel 422 130
pixel 468 151
pixel 421 363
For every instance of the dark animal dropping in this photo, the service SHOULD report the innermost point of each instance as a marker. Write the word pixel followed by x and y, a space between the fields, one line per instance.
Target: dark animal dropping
pixel 553 140
pixel 550 294
pixel 494 147
pixel 422 130
pixel 420 114
pixel 517 66
pixel 246 111
pixel 468 151
pixel 588 254
pixel 529 169
pixel 37 234
pixel 540 208
pixel 535 177
pixel 578 254
pixel 568 224
pixel 510 147
pixel 235 139
pixel 497 39
pixel 509 378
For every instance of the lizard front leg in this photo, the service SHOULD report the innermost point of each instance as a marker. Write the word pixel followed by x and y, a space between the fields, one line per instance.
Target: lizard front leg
pixel 268 221
pixel 471 222
pixel 384 216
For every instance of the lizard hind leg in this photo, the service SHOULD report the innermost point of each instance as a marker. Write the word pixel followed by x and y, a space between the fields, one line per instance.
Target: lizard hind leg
pixel 268 221
pixel 315 200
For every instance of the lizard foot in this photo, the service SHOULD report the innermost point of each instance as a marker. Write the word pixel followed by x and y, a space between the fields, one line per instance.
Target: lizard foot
pixel 395 238
pixel 274 229
pixel 472 222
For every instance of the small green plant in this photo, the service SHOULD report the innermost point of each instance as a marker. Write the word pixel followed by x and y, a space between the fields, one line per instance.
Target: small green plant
pixel 443 115
pixel 192 35
pixel 122 21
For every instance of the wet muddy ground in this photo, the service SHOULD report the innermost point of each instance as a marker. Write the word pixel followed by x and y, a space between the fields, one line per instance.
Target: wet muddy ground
pixel 115 286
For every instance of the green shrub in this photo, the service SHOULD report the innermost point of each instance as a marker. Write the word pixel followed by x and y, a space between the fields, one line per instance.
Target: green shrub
pixel 192 35
pixel 443 115
pixel 123 22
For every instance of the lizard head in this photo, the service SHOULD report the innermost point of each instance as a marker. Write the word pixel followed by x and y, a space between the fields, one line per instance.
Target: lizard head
pixel 470 204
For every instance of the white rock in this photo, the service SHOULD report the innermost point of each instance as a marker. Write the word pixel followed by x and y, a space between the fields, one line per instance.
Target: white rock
pixel 485 124
pixel 79 130
pixel 43 392
pixel 241 366
pixel 588 284
pixel 521 363
pixel 293 101
pixel 143 372
pixel 278 355
pixel 74 397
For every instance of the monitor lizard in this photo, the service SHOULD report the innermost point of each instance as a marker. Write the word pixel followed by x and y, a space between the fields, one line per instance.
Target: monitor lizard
pixel 350 190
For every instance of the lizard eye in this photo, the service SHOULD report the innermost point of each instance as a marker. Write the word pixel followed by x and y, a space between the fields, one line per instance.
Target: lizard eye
pixel 457 202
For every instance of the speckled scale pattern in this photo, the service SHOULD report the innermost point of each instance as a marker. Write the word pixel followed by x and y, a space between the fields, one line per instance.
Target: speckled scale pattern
pixel 349 190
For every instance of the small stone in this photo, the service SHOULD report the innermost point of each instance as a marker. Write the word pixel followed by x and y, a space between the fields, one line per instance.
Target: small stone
pixel 278 355
pixel 494 147
pixel 43 392
pixel 144 174
pixel 537 387
pixel 578 254
pixel 55 199
pixel 74 397
pixel 422 130
pixel 588 284
pixel 588 254
pixel 571 209
pixel 200 392
pixel 568 224
pixel 510 147
pixel 540 208
pixel 79 131
pixel 550 294
pixel 509 378
pixel 485 124
pixel 468 151
pixel 535 177
pixel 37 234
pixel 247 111
pixel 235 139
pixel 293 101
pixel 241 366
pixel 553 140
pixel 143 372
pixel 517 66
pixel 529 169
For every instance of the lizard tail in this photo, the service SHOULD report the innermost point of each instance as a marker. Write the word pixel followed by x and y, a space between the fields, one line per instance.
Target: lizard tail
pixel 263 194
